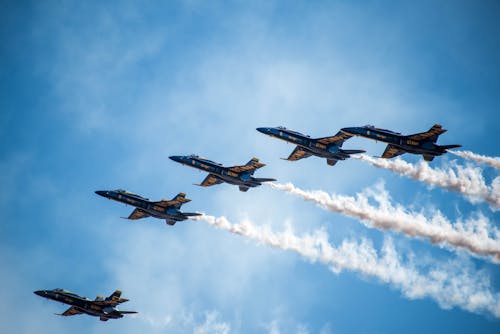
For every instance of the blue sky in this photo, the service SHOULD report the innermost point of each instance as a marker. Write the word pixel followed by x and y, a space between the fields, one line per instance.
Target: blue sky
pixel 98 96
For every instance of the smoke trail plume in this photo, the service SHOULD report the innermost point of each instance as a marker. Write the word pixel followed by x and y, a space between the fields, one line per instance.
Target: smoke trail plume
pixel 477 236
pixel 492 161
pixel 451 285
pixel 466 180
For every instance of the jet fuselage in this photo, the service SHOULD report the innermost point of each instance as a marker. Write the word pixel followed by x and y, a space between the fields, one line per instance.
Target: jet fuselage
pixel 309 144
pixel 82 304
pixel 168 213
pixel 223 173
pixel 402 142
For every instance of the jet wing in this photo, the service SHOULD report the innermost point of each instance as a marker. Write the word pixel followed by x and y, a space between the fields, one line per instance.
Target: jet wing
pixel 113 300
pixel 253 164
pixel 71 311
pixel 391 152
pixel 338 139
pixel 431 135
pixel 177 201
pixel 210 180
pixel 137 214
pixel 297 154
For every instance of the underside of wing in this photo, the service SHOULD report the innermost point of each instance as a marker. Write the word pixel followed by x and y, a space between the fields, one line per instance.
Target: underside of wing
pixel 297 154
pixel 210 180
pixel 430 135
pixel 137 214
pixel 71 311
pixel 338 139
pixel 391 152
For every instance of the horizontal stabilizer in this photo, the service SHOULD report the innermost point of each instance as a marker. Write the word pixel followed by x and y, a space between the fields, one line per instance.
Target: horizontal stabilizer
pixel 128 312
pixel 447 147
pixel 353 151
pixel 191 214
pixel 263 179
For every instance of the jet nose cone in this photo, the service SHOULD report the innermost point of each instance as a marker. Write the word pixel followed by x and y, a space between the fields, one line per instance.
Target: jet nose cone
pixel 176 158
pixel 103 193
pixel 263 130
pixel 40 293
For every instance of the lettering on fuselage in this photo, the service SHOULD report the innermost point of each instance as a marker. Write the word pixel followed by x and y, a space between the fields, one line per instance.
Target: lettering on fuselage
pixel 319 145
pixel 412 142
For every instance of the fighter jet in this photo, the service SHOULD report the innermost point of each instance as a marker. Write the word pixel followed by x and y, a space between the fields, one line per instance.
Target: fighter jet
pixel 164 209
pixel 420 143
pixel 237 175
pixel 105 309
pixel 327 147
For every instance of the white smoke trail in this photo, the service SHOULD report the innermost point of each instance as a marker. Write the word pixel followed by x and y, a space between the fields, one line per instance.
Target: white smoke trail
pixel 451 285
pixel 466 180
pixel 492 161
pixel 477 236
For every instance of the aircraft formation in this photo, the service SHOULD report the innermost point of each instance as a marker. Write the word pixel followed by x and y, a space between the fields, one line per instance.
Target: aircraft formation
pixel 329 148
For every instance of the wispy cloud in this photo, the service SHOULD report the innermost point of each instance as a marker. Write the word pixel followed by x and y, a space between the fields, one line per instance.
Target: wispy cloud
pixel 466 180
pixel 477 235
pixel 451 284
pixel 492 161
pixel 212 325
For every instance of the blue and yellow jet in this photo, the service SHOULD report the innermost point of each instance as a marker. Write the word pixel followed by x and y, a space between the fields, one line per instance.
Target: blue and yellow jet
pixel 104 308
pixel 327 147
pixel 237 175
pixel 164 209
pixel 420 143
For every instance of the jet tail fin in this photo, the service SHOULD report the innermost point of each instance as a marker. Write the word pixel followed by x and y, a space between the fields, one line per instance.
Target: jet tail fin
pixel 428 157
pixel 331 162
pixel 252 162
pixel 431 135
pixel 114 298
